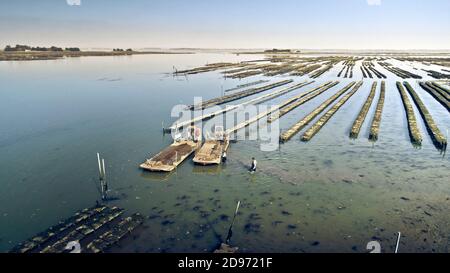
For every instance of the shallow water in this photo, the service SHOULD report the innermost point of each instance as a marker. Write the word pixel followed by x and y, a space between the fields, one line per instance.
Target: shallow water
pixel 330 194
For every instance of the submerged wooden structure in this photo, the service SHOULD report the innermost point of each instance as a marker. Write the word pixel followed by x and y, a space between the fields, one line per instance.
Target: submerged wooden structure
pixel 295 102
pixel 210 67
pixel 264 114
pixel 357 124
pixel 414 132
pixel 238 95
pixel 111 237
pixel 376 121
pixel 327 116
pixel 240 86
pixel 229 108
pixel 84 228
pixel 308 118
pixel 53 231
pixel 437 137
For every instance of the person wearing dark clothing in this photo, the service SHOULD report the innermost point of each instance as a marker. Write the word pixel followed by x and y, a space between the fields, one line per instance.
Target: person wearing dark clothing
pixel 224 157
pixel 253 166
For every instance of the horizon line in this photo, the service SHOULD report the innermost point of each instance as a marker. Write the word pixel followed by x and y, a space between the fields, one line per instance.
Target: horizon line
pixel 245 48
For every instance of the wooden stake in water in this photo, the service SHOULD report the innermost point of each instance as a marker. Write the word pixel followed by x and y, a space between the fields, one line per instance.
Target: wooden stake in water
pixel 230 230
pixel 99 167
pixel 104 183
pixel 398 242
pixel 104 171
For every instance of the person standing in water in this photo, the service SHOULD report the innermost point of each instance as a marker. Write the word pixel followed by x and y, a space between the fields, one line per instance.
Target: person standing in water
pixel 253 166
pixel 224 157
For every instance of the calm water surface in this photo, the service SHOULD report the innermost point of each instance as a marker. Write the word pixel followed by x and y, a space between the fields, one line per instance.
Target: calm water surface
pixel 330 194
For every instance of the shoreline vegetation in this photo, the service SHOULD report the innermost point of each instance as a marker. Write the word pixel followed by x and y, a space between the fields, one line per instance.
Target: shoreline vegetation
pixel 27 53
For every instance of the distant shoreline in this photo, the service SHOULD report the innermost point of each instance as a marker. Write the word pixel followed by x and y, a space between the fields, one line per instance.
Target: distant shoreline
pixel 55 55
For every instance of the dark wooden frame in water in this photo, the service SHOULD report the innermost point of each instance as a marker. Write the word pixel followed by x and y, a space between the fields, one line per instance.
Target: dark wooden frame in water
pixel 82 231
pixel 41 239
pixel 113 236
pixel 84 227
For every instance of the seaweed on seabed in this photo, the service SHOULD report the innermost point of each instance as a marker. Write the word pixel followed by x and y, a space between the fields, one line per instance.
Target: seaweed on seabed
pixel 154 216
pixel 167 222
pixel 183 197
pixel 276 222
pixel 328 163
pixel 285 212
pixel 204 214
pixel 254 216
pixel 252 228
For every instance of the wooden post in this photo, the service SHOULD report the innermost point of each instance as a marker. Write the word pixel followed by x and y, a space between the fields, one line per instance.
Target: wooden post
pixel 398 242
pixel 99 167
pixel 104 171
pixel 230 230
pixel 104 183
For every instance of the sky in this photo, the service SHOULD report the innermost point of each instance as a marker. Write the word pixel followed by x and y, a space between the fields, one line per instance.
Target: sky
pixel 302 24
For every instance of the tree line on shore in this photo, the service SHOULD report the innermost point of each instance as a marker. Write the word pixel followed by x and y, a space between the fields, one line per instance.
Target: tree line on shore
pixel 52 49
pixel 121 50
pixel 29 48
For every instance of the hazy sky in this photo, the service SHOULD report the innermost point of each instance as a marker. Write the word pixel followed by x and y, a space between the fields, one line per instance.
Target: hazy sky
pixel 318 24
